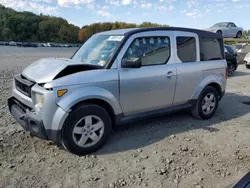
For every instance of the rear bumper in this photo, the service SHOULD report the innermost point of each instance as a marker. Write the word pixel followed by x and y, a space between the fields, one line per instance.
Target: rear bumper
pixel 31 122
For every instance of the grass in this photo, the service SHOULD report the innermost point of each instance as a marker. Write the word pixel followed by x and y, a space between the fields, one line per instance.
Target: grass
pixel 230 41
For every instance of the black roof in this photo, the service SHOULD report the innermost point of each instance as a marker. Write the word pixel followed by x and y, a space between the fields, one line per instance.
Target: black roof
pixel 131 31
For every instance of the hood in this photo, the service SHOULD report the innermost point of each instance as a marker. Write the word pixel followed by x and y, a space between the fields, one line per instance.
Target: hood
pixel 46 70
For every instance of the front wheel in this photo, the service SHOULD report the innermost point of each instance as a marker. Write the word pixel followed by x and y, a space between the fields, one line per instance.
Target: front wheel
pixel 207 103
pixel 219 32
pixel 86 129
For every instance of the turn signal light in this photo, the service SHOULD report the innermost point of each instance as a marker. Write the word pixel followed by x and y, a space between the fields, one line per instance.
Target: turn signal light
pixel 61 92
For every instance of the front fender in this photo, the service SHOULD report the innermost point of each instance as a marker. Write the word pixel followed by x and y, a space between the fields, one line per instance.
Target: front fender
pixel 85 93
pixel 205 82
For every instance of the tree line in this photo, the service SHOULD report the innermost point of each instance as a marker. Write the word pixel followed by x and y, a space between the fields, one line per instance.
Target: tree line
pixel 87 31
pixel 26 26
pixel 29 27
pixel 246 33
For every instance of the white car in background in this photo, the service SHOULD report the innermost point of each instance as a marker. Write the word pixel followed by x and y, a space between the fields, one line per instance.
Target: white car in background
pixel 247 61
pixel 227 29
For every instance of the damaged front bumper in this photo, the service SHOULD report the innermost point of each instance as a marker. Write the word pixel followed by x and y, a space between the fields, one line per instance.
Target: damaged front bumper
pixel 31 122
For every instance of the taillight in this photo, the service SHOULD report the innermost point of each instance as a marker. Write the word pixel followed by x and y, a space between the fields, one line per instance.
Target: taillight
pixel 226 73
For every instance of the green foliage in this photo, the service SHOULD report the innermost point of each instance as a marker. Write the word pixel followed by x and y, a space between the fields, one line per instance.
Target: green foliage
pixel 87 31
pixel 26 26
pixel 246 34
pixel 233 41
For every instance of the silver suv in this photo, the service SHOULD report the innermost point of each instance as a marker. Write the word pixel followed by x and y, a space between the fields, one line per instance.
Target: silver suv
pixel 118 76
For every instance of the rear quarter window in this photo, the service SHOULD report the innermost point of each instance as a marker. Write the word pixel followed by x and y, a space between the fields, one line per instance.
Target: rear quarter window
pixel 211 49
pixel 186 49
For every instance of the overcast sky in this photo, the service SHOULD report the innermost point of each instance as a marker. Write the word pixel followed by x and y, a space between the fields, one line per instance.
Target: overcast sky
pixel 184 13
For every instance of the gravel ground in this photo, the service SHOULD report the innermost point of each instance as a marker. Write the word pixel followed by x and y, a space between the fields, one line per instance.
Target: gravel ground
pixel 170 151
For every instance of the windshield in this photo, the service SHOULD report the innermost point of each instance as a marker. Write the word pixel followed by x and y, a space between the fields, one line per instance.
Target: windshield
pixel 98 50
pixel 220 25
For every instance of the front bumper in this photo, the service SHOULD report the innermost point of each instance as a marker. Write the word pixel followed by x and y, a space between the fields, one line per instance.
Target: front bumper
pixel 31 122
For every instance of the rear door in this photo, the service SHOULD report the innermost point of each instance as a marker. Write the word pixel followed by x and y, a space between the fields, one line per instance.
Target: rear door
pixel 151 86
pixel 189 68
pixel 232 30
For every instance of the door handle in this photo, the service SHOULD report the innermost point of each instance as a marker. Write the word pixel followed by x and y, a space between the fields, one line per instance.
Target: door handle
pixel 170 74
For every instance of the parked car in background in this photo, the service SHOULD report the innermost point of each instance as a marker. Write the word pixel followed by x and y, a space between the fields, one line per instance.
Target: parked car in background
pixel 29 44
pixel 19 44
pixel 44 45
pixel 231 57
pixel 118 76
pixel 12 43
pixel 227 29
pixel 247 60
pixel 26 44
pixel 4 43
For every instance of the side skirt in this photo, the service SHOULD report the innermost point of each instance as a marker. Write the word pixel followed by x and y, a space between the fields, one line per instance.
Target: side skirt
pixel 121 119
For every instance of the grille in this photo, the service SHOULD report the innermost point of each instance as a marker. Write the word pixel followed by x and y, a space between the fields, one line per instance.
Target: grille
pixel 23 85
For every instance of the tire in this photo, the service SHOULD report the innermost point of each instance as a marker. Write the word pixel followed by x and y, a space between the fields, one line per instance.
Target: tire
pixel 219 32
pixel 239 34
pixel 231 69
pixel 197 111
pixel 247 66
pixel 81 120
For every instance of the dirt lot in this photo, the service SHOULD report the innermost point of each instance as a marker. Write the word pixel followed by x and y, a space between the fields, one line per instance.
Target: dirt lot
pixel 171 151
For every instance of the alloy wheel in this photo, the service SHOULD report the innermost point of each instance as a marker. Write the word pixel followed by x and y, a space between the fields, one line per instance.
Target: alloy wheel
pixel 88 131
pixel 208 103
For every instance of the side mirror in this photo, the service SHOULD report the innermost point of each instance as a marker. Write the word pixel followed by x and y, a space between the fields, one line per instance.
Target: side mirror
pixel 131 63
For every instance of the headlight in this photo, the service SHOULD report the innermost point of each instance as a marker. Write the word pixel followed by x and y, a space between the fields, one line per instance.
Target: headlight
pixel 39 98
pixel 39 101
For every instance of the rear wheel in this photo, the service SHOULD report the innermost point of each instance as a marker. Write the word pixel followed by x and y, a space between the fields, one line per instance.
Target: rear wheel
pixel 207 103
pixel 231 69
pixel 86 129
pixel 239 34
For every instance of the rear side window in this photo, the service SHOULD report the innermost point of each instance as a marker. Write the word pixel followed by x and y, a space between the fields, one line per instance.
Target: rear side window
pixel 211 49
pixel 232 25
pixel 151 50
pixel 186 49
